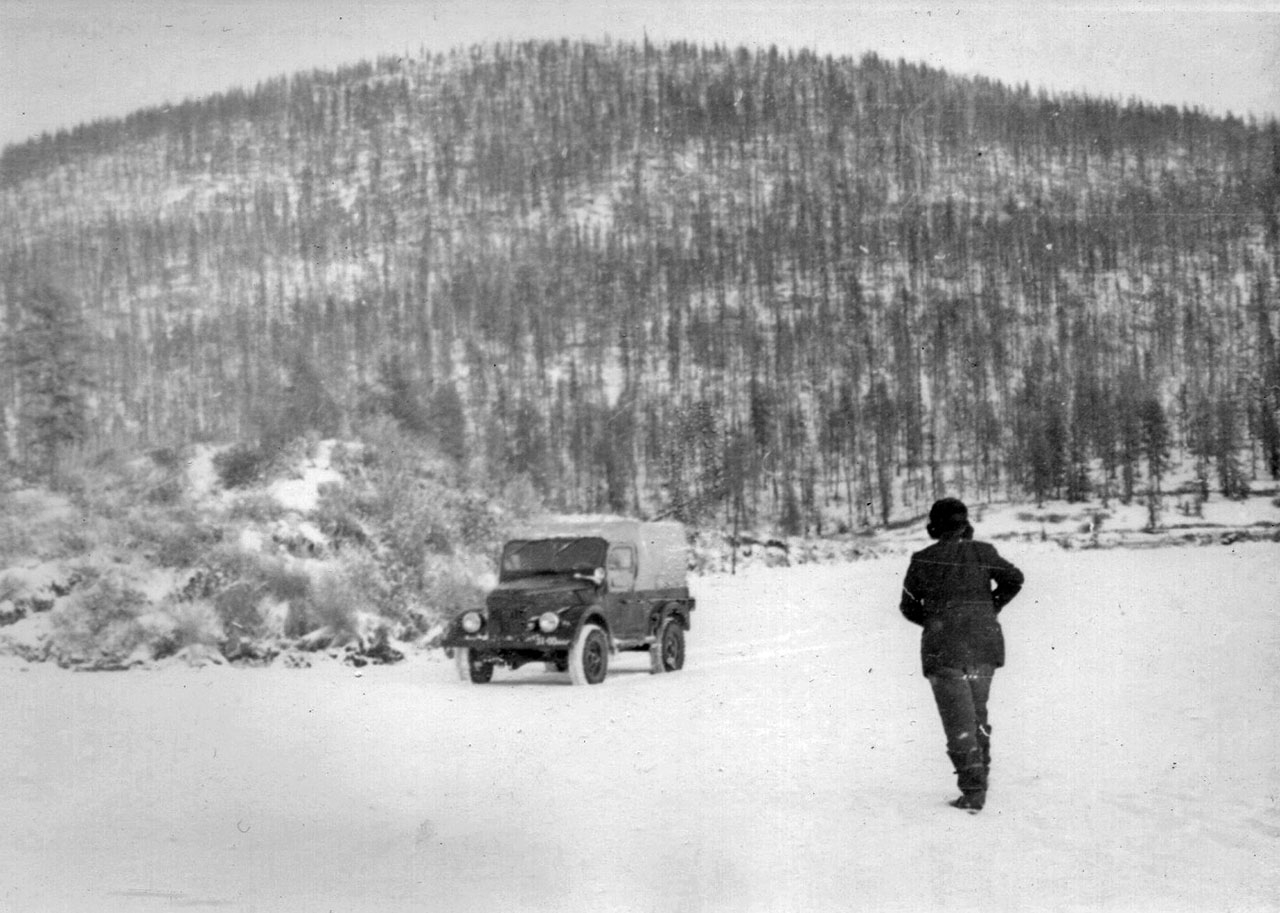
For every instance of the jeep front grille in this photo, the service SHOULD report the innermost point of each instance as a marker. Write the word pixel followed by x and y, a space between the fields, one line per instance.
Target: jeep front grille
pixel 508 622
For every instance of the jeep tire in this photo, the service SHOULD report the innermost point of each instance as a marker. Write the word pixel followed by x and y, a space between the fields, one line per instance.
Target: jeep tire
pixel 589 656
pixel 666 654
pixel 471 671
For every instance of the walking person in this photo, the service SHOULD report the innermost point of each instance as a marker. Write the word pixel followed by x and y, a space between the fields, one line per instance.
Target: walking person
pixel 954 589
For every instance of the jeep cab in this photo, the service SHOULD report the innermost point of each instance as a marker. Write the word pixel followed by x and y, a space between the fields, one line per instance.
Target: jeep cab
pixel 574 591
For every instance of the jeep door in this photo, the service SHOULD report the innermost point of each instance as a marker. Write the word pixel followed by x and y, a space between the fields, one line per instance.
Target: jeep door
pixel 627 612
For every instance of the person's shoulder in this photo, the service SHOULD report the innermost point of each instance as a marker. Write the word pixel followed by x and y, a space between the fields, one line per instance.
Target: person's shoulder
pixel 988 550
pixel 931 549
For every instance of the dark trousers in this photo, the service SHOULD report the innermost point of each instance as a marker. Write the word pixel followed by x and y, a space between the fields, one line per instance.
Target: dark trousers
pixel 961 695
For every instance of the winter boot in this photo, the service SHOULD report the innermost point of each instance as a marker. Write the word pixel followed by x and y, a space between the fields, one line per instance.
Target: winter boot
pixel 969 802
pixel 971 777
pixel 984 744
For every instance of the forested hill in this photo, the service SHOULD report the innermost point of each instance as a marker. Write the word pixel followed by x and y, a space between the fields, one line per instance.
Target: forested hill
pixel 675 279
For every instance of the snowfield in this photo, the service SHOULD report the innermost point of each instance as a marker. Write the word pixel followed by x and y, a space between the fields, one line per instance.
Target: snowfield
pixel 796 764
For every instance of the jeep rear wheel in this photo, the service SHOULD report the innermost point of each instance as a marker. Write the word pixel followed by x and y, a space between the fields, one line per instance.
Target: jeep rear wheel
pixel 469 670
pixel 589 656
pixel 667 652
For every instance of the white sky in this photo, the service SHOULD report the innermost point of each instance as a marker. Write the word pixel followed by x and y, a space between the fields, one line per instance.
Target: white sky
pixel 63 62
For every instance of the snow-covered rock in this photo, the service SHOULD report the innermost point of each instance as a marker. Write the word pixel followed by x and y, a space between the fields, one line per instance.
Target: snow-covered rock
pixel 30 638
pixel 302 494
pixel 195 656
pixel 35 588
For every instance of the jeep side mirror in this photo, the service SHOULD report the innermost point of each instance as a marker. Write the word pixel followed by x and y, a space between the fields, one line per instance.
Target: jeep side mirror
pixel 596 576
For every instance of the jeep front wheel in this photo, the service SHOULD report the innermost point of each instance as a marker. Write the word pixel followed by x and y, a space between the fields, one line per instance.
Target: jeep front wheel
pixel 667 652
pixel 469 670
pixel 589 656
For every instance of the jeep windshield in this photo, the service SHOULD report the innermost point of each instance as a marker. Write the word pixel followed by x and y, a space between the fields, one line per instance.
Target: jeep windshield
pixel 537 557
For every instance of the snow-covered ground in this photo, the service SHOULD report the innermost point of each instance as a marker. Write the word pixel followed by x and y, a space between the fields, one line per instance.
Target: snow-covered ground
pixel 796 764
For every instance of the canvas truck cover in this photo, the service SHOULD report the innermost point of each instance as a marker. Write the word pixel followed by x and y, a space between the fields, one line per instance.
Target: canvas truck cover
pixel 662 550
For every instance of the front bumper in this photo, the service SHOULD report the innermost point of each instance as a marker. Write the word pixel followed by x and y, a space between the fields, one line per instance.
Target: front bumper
pixel 485 642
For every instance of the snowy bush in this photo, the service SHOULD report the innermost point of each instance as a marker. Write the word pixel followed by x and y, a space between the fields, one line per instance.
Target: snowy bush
pixel 451 585
pixel 410 510
pixel 110 485
pixel 333 604
pixel 239 609
pixel 241 465
pixel 240 583
pixel 175 625
pixel 16 536
pixel 166 491
pixel 100 622
pixel 279 578
pixel 34 523
pixel 257 507
pixel 12 588
pixel 340 516
pixel 171 537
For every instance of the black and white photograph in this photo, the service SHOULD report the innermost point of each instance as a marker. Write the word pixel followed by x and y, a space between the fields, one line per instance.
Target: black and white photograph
pixel 639 457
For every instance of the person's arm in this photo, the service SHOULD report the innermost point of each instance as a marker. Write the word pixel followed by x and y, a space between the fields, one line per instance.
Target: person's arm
pixel 1007 577
pixel 912 604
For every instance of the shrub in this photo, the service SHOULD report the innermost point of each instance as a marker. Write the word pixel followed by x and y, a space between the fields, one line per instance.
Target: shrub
pixel 335 602
pixel 195 623
pixel 241 465
pixel 172 537
pixel 452 585
pixel 237 608
pixel 15 538
pixel 167 458
pixel 20 529
pixel 175 625
pixel 252 594
pixel 100 621
pixel 520 498
pixel 339 519
pixel 73 542
pixel 257 507
pixel 184 546
pixel 281 580
pixel 166 491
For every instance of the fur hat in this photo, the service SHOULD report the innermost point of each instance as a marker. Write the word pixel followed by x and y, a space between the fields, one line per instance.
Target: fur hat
pixel 948 517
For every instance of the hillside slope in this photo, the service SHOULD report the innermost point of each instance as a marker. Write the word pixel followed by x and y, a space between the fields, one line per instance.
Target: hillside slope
pixel 686 280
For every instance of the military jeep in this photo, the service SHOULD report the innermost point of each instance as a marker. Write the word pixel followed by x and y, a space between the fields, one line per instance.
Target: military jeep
pixel 575 591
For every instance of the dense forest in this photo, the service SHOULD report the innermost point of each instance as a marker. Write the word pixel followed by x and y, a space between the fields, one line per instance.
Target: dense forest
pixel 723 284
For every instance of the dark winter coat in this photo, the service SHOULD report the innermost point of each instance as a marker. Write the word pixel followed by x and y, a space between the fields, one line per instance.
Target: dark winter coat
pixel 948 591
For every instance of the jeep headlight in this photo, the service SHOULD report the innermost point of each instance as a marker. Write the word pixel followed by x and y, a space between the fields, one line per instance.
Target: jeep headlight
pixel 548 622
pixel 472 622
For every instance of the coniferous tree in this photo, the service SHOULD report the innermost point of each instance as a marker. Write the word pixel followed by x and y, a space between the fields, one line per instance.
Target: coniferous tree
pixel 1231 476
pixel 48 353
pixel 1154 434
pixel 448 419
pixel 402 398
pixel 305 404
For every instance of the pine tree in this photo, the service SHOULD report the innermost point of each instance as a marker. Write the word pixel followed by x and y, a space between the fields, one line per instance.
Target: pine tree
pixel 1231 476
pixel 401 397
pixel 48 353
pixel 1154 435
pixel 448 418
